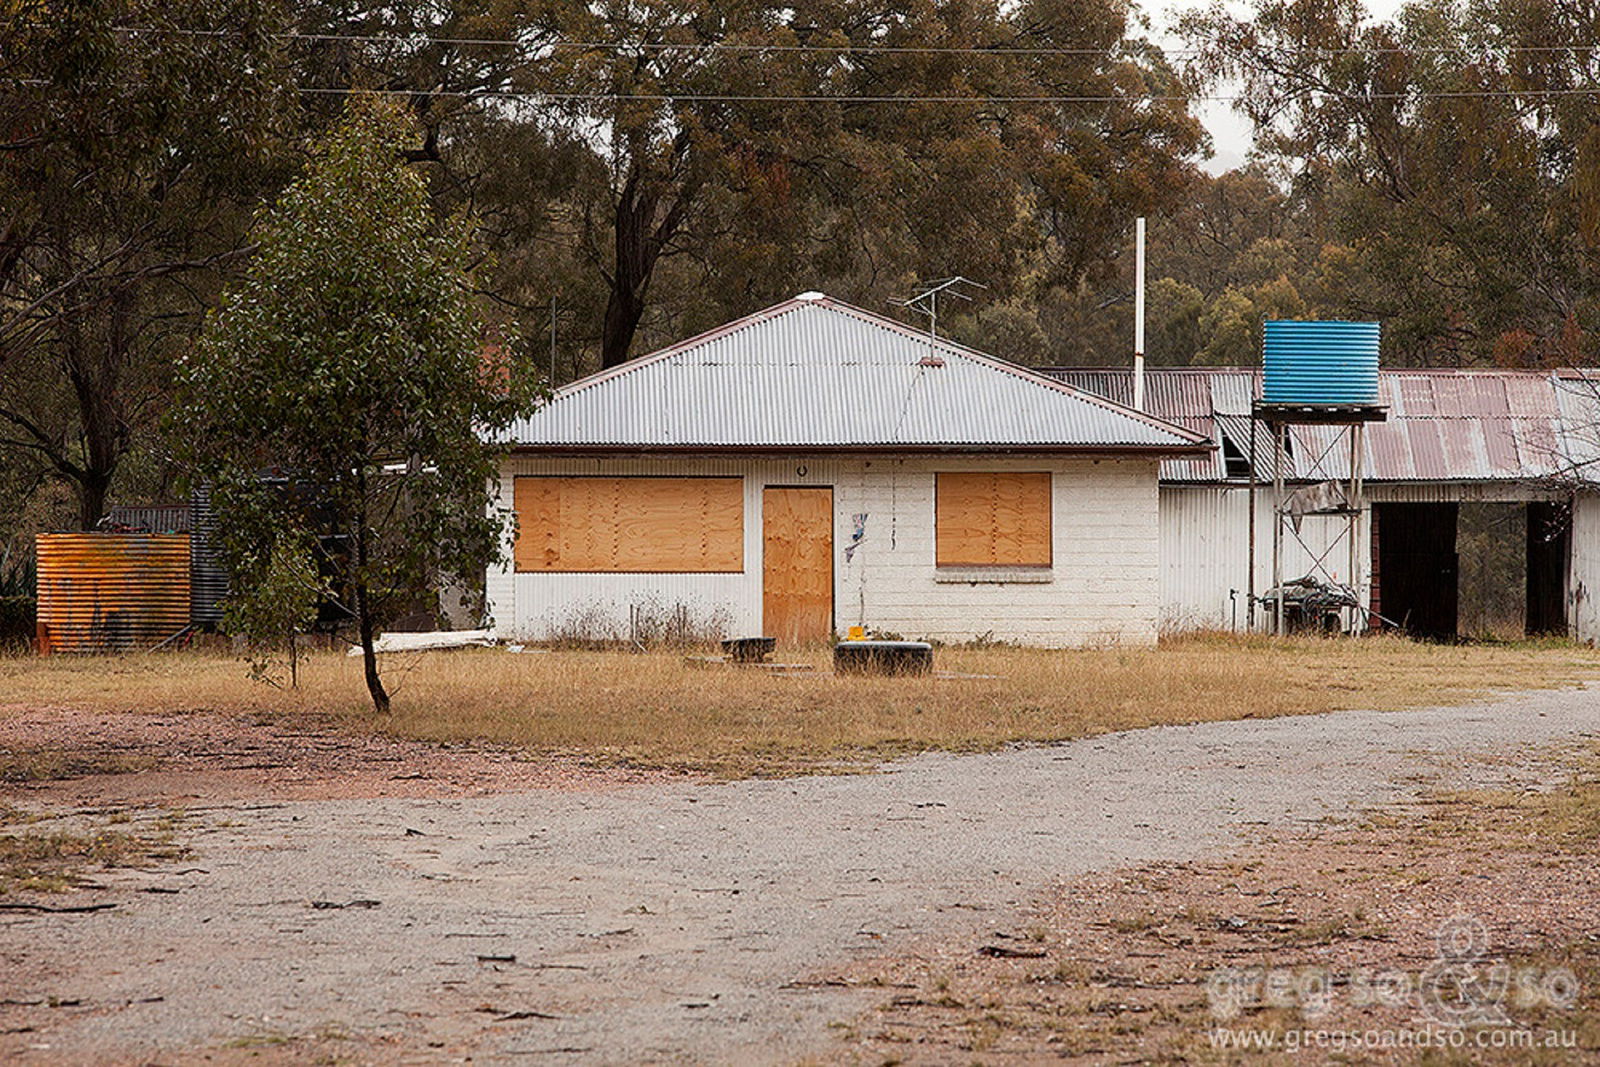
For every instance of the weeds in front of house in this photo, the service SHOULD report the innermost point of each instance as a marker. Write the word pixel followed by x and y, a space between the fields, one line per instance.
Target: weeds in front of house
pixel 665 710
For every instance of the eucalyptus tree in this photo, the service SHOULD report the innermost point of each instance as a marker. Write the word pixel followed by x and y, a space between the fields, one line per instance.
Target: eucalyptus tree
pixel 136 136
pixel 341 395
pixel 1452 151
pixel 677 163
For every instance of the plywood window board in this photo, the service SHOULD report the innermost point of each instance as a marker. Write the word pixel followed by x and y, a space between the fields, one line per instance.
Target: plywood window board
pixel 630 525
pixel 992 518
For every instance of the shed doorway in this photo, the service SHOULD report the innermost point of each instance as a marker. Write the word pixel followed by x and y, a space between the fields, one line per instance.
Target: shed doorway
pixel 797 564
pixel 1549 549
pixel 1480 570
pixel 1414 582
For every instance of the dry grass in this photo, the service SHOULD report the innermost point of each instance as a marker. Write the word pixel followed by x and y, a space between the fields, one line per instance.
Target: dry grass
pixel 45 765
pixel 51 861
pixel 658 710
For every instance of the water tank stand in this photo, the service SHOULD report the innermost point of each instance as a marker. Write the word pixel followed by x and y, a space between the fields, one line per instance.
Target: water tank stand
pixel 1278 418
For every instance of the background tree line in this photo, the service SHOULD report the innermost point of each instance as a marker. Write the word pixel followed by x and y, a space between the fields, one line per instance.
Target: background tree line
pixel 634 172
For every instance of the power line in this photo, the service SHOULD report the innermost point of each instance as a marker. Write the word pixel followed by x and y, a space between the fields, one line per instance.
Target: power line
pixel 903 98
pixel 997 49
pixel 994 49
pixel 778 98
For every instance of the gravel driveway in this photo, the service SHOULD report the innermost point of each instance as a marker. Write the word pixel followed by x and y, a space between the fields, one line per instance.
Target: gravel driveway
pixel 673 922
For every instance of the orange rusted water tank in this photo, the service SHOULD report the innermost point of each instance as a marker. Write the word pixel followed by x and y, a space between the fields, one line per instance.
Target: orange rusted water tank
pixel 102 592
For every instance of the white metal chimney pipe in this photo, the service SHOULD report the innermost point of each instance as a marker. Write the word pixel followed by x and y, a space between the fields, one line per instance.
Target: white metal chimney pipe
pixel 1138 314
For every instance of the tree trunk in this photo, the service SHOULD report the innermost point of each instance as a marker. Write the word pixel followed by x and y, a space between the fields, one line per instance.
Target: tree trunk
pixel 294 660
pixel 94 486
pixel 369 658
pixel 96 377
pixel 636 251
pixel 640 237
pixel 624 309
pixel 364 620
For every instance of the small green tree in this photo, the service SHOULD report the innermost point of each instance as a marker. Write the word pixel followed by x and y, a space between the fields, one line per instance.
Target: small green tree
pixel 345 388
pixel 274 601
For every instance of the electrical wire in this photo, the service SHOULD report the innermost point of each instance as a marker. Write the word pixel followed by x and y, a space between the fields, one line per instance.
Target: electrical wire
pixel 779 98
pixel 995 49
pixel 905 98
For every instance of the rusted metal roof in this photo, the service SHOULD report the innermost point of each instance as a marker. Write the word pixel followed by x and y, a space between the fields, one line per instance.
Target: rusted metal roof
pixel 814 373
pixel 1443 425
pixel 163 518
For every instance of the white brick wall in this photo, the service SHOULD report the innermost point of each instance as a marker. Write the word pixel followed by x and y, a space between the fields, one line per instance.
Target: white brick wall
pixel 1103 586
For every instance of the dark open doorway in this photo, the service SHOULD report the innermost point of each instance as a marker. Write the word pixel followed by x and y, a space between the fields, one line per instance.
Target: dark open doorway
pixel 1479 570
pixel 1414 583
pixel 1492 587
pixel 1549 536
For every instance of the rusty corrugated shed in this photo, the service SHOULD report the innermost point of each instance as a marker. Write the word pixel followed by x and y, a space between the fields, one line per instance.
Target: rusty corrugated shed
pixel 102 592
pixel 814 373
pixel 1443 425
pixel 1190 397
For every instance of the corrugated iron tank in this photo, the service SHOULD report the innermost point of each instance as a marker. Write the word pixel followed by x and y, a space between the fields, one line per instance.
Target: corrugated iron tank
pixel 1320 362
pixel 102 592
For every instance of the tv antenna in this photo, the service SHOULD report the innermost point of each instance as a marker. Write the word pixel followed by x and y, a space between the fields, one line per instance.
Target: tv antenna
pixel 927 301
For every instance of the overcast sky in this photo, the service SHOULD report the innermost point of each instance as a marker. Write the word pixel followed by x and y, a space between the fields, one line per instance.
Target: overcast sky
pixel 1230 133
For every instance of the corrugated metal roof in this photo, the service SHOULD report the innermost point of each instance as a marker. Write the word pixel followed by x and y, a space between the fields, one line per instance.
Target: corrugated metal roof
pixel 1443 425
pixel 1578 396
pixel 1191 397
pixel 816 373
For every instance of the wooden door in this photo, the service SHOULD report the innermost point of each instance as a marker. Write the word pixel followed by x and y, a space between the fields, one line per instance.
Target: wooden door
pixel 797 564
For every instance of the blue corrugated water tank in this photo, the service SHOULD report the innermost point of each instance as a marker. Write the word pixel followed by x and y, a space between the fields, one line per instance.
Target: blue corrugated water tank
pixel 1320 362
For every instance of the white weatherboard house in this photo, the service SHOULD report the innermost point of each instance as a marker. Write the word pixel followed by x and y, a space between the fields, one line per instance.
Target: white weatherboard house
pixel 814 467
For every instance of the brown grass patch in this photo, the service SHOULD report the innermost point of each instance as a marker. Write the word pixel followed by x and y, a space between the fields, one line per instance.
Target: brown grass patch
pixel 51 861
pixel 657 710
pixel 50 765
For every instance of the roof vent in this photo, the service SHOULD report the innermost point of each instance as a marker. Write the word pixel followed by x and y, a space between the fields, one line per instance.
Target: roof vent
pixel 811 295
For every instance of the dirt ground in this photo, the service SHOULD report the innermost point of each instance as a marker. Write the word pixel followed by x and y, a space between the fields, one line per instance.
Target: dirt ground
pixel 1119 967
pixel 338 899
pixel 189 758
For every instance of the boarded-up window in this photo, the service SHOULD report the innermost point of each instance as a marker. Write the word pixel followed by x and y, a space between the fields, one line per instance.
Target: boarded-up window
pixel 630 524
pixel 992 518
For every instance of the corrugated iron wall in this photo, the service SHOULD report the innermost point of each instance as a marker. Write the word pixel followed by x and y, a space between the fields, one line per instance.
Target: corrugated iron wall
pixel 208 581
pixel 1205 553
pixel 111 592
pixel 1583 575
pixel 161 519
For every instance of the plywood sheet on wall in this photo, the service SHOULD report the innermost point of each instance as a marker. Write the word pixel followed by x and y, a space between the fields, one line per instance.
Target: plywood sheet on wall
pixel 992 518
pixel 643 524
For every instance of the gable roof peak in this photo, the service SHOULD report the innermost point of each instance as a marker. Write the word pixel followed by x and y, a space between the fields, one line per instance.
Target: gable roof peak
pixel 815 372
